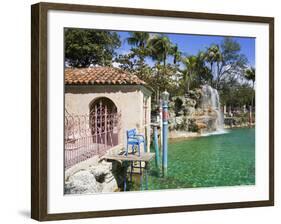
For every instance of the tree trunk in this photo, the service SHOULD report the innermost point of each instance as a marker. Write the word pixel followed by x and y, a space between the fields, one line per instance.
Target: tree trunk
pixel 250 116
pixel 164 61
pixel 218 76
pixel 212 74
pixel 253 94
pixel 252 106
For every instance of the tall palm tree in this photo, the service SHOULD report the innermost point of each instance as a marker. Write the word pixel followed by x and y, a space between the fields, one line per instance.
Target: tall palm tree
pixel 190 64
pixel 160 48
pixel 213 55
pixel 138 39
pixel 250 75
pixel 175 53
pixel 203 72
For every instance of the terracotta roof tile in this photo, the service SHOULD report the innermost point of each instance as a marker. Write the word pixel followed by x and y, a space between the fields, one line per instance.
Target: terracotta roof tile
pixel 100 75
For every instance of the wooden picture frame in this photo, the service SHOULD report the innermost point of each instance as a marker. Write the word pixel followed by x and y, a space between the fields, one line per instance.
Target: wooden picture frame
pixel 39 108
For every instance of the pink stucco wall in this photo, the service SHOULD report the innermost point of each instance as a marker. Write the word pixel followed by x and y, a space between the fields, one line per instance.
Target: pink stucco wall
pixel 129 100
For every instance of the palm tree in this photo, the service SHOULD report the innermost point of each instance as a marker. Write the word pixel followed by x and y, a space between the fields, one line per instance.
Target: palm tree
pixel 213 55
pixel 250 75
pixel 203 72
pixel 190 64
pixel 160 48
pixel 138 39
pixel 175 53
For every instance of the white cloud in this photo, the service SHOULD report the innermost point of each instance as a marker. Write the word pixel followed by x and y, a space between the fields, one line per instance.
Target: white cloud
pixel 116 64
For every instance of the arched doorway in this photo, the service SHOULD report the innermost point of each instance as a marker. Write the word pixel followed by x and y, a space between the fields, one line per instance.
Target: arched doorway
pixel 104 122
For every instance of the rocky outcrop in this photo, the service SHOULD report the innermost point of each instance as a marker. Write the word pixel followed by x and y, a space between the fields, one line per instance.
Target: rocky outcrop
pixel 103 174
pixel 94 179
pixel 82 182
pixel 198 111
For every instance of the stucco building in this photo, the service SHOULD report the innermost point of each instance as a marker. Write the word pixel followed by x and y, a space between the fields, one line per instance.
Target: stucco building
pixel 101 104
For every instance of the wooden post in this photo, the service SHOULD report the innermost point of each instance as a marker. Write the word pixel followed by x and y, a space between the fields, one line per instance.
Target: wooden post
pixel 146 175
pixel 155 134
pixel 250 116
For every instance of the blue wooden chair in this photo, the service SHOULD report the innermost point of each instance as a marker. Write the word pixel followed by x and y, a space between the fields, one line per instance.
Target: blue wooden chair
pixel 135 139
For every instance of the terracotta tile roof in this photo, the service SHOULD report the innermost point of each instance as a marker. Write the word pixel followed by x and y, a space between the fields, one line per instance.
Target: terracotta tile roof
pixel 100 75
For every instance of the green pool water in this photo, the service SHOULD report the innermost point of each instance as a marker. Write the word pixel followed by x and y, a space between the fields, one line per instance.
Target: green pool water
pixel 215 160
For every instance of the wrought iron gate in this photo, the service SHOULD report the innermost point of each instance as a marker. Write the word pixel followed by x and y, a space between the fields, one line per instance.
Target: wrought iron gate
pixel 90 134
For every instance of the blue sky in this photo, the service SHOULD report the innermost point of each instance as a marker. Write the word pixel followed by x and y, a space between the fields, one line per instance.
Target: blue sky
pixel 191 44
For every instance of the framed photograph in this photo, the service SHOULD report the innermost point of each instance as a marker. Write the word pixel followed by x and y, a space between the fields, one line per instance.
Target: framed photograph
pixel 139 111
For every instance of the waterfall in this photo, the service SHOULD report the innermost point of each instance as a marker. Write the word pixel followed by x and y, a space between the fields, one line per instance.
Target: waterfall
pixel 210 103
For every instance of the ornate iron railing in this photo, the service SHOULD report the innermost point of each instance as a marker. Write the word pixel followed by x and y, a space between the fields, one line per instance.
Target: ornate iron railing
pixel 90 134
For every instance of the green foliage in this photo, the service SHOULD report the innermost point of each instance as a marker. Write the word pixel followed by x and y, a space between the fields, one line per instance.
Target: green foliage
pixel 125 62
pixel 84 47
pixel 160 48
pixel 225 61
pixel 162 78
pixel 236 94
pixel 220 65
pixel 195 72
pixel 203 73
pixel 177 55
pixel 230 50
pixel 250 74
pixel 188 73
pixel 213 55
pixel 139 42
pixel 138 39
